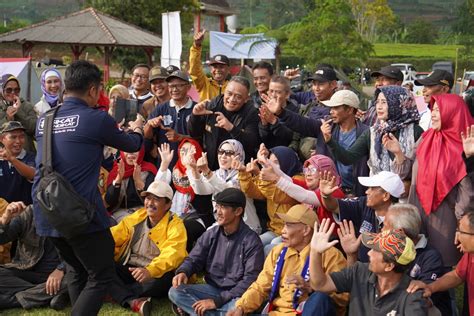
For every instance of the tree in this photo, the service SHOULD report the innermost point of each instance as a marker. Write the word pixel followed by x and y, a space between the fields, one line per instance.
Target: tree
pixel 421 32
pixel 145 14
pixel 372 17
pixel 328 34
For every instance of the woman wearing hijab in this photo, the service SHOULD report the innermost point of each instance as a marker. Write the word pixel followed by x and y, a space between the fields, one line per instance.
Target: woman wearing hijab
pixel 15 108
pixel 440 186
pixel 195 210
pixel 212 182
pixel 127 179
pixel 52 87
pixel 397 118
pixel 278 201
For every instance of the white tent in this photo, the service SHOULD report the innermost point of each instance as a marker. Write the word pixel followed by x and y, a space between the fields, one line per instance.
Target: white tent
pixel 23 69
pixel 242 46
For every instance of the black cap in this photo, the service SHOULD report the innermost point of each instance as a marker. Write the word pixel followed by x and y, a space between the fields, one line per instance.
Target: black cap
pixel 231 197
pixel 180 75
pixel 437 77
pixel 323 74
pixel 220 59
pixel 11 126
pixel 389 72
pixel 158 73
pixel 171 68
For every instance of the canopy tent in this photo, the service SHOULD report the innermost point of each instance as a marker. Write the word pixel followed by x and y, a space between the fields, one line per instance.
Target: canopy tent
pixel 242 46
pixel 22 69
pixel 87 27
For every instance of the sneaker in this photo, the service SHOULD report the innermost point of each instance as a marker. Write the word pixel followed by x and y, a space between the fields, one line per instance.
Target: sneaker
pixel 141 306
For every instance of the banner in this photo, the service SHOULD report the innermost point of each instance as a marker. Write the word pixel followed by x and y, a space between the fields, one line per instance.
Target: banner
pixel 171 45
pixel 242 46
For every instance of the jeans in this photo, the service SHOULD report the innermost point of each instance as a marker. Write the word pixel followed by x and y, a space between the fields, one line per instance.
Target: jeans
pixel 187 294
pixel 275 241
pixel 319 304
pixel 90 269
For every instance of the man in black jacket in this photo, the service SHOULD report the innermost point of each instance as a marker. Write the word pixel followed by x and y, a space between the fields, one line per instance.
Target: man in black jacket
pixel 228 116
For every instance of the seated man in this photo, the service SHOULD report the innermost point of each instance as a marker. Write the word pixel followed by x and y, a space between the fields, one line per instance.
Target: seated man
pixel 464 271
pixel 149 245
pixel 284 280
pixel 230 254
pixel 17 166
pixel 375 288
pixel 34 278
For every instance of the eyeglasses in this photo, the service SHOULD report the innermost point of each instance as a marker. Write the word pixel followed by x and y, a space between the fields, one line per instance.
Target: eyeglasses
pixel 227 153
pixel 310 170
pixel 143 77
pixel 462 232
pixel 177 86
pixel 12 90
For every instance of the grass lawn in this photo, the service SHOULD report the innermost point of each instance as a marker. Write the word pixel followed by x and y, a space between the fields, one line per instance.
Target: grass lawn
pixel 161 307
pixel 416 50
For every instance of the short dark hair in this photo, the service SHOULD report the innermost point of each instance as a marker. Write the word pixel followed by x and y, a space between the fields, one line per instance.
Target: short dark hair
pixel 242 80
pixel 80 76
pixel 393 199
pixel 263 65
pixel 282 80
pixel 470 217
pixel 354 110
pixel 140 66
pixel 398 268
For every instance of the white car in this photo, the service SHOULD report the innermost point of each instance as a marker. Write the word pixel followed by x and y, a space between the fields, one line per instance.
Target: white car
pixel 409 72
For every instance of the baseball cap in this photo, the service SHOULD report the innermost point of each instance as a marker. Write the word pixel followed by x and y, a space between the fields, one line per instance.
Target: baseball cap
pixel 299 213
pixel 160 189
pixel 392 243
pixel 343 97
pixel 180 75
pixel 231 197
pixel 158 73
pixel 437 77
pixel 323 74
pixel 11 126
pixel 7 77
pixel 389 72
pixel 387 180
pixel 220 59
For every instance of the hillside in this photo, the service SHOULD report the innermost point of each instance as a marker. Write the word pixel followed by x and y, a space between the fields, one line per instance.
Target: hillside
pixel 440 12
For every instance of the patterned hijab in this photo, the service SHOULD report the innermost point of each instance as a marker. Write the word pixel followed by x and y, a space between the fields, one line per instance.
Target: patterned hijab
pixel 52 99
pixel 238 148
pixel 288 160
pixel 179 177
pixel 440 162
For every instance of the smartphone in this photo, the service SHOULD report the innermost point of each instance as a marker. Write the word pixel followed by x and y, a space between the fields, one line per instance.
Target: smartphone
pixel 126 109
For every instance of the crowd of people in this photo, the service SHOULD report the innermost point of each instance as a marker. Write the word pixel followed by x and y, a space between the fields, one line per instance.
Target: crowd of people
pixel 239 202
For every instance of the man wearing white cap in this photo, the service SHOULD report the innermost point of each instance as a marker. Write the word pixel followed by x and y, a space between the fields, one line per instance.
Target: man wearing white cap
pixel 366 212
pixel 149 245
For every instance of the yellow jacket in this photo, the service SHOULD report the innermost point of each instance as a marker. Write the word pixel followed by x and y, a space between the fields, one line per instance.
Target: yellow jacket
pixel 259 291
pixel 169 235
pixel 277 200
pixel 206 87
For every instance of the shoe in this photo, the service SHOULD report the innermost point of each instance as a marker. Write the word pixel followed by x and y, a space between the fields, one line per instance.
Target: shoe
pixel 60 301
pixel 141 306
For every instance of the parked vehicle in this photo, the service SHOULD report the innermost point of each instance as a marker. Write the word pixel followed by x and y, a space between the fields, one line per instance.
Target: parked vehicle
pixel 443 65
pixel 408 70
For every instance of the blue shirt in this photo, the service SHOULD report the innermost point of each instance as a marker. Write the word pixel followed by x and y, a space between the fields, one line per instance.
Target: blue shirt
pixel 345 171
pixel 13 186
pixel 79 136
pixel 363 217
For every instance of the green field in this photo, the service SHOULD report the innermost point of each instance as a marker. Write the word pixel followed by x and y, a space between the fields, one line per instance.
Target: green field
pixel 416 50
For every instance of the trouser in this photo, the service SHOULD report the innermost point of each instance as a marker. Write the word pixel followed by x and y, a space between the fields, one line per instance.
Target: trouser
pixel 13 281
pixel 90 269
pixel 125 285
pixel 37 297
pixel 187 294
pixel 319 304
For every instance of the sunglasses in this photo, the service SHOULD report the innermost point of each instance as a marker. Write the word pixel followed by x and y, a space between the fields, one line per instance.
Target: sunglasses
pixel 227 153
pixel 12 90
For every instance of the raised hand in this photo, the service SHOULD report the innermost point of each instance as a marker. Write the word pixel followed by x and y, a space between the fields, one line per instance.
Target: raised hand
pixel 201 108
pixel 266 116
pixel 120 172
pixel 326 129
pixel 327 183
pixel 13 209
pixel 268 173
pixel 166 154
pixel 262 153
pixel 346 232
pixel 292 73
pixel 320 241
pixel 236 164
pixel 223 122
pixel 391 143
pixel 11 111
pixel 172 135
pixel 468 141
pixel 156 122
pixel 137 177
pixel 252 167
pixel 202 163
pixel 199 37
